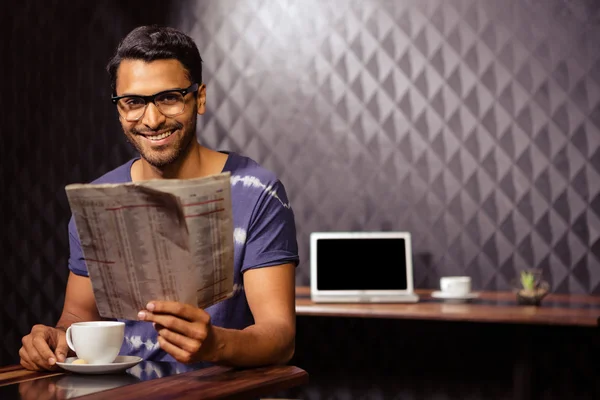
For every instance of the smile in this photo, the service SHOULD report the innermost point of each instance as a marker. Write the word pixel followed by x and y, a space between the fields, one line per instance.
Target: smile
pixel 160 136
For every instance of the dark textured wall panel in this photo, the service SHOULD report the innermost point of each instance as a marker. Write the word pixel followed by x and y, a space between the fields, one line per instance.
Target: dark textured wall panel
pixel 472 124
pixel 58 127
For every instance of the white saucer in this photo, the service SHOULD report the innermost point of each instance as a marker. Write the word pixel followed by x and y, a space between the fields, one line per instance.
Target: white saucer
pixel 120 364
pixel 449 296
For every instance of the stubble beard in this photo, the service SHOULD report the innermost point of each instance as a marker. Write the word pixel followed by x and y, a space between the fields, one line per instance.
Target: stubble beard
pixel 168 154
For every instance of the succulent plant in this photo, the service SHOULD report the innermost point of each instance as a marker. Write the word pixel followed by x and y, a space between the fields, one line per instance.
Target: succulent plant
pixel 528 280
pixel 532 289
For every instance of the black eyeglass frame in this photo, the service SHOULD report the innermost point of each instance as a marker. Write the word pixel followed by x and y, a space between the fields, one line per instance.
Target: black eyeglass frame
pixel 150 99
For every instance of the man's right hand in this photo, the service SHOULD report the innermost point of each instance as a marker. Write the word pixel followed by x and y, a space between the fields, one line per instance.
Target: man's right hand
pixel 43 347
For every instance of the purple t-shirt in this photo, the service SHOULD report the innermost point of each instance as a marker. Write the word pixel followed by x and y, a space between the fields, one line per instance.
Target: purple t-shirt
pixel 264 235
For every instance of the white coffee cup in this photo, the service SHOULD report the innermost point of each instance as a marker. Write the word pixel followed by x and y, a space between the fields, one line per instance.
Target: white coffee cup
pixel 455 285
pixel 96 342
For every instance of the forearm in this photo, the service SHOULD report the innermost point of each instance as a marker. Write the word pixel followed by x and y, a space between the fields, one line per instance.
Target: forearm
pixel 257 345
pixel 80 303
pixel 65 321
pixel 67 318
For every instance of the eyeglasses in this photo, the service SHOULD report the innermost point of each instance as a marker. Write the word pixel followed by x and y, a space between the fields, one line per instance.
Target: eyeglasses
pixel 169 102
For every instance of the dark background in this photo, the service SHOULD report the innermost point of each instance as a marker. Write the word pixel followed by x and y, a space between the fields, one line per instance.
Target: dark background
pixel 472 124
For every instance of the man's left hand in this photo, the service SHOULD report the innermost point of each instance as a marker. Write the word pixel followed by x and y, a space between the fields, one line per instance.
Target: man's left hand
pixel 184 331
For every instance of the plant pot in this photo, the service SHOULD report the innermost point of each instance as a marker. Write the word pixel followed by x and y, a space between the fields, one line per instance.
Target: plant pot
pixel 526 300
pixel 533 297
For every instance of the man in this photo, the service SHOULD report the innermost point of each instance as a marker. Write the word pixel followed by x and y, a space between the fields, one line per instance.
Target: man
pixel 156 77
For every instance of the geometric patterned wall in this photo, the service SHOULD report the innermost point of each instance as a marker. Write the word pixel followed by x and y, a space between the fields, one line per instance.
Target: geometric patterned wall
pixel 473 124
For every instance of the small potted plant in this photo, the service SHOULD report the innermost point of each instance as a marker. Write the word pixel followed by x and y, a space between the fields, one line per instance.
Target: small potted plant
pixel 531 289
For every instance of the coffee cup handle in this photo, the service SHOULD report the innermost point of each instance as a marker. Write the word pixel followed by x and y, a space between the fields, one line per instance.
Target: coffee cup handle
pixel 69 342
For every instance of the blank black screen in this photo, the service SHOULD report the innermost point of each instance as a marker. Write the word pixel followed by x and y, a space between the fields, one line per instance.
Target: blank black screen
pixel 361 264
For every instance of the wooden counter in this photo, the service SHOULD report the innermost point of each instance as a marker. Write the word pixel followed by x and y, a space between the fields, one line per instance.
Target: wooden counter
pixel 491 307
pixel 207 383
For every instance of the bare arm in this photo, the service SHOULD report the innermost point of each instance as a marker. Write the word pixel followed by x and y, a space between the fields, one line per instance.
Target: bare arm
pixel 80 304
pixel 271 297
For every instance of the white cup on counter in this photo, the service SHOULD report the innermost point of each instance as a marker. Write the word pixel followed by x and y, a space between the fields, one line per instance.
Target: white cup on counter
pixel 455 285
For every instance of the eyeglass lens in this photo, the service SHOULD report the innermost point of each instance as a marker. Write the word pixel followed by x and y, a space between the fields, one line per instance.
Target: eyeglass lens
pixel 133 107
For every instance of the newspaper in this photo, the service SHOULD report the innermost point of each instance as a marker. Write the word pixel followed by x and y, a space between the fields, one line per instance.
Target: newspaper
pixel 156 240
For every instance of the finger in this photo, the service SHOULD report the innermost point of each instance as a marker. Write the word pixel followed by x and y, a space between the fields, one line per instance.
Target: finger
pixel 168 321
pixel 181 310
pixel 27 345
pixel 176 352
pixel 197 331
pixel 27 352
pixel 35 358
pixel 183 342
pixel 62 348
pixel 26 360
pixel 23 355
pixel 29 366
pixel 43 356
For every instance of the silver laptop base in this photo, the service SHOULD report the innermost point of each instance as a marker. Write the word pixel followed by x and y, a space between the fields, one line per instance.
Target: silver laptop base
pixel 407 298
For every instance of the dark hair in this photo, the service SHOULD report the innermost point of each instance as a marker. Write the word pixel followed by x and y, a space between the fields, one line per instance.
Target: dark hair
pixel 149 43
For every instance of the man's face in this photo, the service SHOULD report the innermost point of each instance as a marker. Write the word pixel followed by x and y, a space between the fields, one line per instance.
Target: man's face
pixel 160 140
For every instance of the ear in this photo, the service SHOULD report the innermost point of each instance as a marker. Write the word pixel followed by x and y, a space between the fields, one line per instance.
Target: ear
pixel 201 99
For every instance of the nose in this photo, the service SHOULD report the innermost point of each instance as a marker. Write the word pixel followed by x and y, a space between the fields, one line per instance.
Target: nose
pixel 153 118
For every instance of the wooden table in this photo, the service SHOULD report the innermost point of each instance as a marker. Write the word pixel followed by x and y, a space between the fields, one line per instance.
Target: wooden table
pixel 494 307
pixel 206 383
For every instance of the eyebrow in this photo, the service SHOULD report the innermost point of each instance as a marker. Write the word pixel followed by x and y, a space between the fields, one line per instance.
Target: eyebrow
pixel 146 95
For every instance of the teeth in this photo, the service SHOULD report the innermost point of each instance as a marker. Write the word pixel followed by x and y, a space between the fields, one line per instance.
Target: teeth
pixel 161 136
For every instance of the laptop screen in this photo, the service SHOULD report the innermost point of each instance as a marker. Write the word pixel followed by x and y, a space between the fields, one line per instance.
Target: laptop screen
pixel 361 264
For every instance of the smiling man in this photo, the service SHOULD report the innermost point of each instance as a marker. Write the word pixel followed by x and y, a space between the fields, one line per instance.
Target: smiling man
pixel 158 91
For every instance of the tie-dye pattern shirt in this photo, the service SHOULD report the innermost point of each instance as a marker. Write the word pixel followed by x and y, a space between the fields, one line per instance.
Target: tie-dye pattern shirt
pixel 264 235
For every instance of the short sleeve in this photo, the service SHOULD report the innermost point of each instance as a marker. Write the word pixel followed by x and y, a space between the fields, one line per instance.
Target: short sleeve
pixel 76 260
pixel 271 236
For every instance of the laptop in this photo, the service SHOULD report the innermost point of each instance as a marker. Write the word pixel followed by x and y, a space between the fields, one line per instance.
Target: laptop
pixel 361 267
